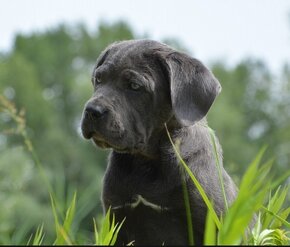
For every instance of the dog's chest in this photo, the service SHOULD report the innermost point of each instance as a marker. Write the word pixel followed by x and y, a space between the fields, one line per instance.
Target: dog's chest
pixel 131 184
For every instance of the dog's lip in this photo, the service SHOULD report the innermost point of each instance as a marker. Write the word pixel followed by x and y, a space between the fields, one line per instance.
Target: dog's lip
pixel 99 141
pixel 104 144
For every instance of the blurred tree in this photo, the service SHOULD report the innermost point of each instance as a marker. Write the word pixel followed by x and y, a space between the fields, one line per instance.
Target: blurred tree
pixel 48 74
pixel 20 206
pixel 250 113
pixel 227 116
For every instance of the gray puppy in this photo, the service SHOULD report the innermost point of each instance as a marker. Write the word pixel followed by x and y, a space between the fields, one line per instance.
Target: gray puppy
pixel 139 86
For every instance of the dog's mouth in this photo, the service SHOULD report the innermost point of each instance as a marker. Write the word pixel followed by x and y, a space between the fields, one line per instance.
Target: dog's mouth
pixel 105 145
pixel 98 139
pixel 114 142
pixel 100 143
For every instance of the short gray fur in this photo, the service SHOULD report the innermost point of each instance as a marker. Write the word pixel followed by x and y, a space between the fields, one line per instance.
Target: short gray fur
pixel 139 85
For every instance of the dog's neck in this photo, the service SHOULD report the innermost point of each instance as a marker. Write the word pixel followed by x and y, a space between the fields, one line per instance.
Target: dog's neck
pixel 160 138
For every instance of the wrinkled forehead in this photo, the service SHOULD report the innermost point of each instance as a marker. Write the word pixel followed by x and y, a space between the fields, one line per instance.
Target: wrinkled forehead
pixel 134 54
pixel 126 54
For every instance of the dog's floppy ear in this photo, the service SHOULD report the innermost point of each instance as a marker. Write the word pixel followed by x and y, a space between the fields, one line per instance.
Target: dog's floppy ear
pixel 193 87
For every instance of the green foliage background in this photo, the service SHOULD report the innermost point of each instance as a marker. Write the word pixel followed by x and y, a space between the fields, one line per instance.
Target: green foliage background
pixel 48 75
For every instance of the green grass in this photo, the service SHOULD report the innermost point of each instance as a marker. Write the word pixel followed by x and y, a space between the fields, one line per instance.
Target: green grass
pixel 259 194
pixel 255 186
pixel 109 230
pixel 38 236
pixel 106 235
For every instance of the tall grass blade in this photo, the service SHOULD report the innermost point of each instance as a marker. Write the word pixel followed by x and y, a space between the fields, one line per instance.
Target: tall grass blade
pixel 188 211
pixel 110 234
pixel 116 232
pixel 282 220
pixel 59 239
pixel 250 198
pixel 109 230
pixel 274 216
pixel 218 165
pixel 62 231
pixel 186 204
pixel 38 236
pixel 96 234
pixel 64 235
pixel 210 230
pixel 284 214
pixel 251 172
pixel 256 230
pixel 105 229
pixel 70 213
pixel 237 220
pixel 196 183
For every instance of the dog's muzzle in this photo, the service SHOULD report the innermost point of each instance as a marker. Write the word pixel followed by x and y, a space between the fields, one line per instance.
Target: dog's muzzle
pixel 92 115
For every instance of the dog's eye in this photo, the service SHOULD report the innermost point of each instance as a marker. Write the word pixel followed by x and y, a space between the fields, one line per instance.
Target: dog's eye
pixel 135 86
pixel 98 78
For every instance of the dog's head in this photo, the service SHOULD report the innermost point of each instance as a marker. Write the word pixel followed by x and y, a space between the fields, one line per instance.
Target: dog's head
pixel 138 86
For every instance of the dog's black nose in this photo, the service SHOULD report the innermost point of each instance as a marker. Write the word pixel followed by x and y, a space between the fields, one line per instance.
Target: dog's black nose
pixel 95 111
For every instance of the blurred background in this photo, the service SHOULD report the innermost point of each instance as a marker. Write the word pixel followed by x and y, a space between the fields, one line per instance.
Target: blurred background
pixel 47 52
